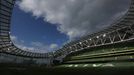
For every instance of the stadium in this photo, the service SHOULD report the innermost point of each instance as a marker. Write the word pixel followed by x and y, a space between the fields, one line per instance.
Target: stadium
pixel 110 47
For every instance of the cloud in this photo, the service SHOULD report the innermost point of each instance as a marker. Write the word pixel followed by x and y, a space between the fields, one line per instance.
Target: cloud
pixel 42 46
pixel 76 18
pixel 53 46
pixel 34 46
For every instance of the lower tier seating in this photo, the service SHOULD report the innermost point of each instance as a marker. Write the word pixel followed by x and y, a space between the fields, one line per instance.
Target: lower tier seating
pixel 114 52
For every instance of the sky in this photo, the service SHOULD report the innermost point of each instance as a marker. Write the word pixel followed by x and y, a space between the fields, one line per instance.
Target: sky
pixel 45 25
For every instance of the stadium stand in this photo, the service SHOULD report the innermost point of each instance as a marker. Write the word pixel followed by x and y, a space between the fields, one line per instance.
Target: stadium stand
pixel 9 53
pixel 114 43
pixel 115 52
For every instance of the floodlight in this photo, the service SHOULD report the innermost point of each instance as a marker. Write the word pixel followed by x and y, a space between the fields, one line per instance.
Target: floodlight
pixel 104 35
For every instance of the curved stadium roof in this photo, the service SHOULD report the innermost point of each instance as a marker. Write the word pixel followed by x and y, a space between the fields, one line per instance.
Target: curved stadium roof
pixel 6 45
